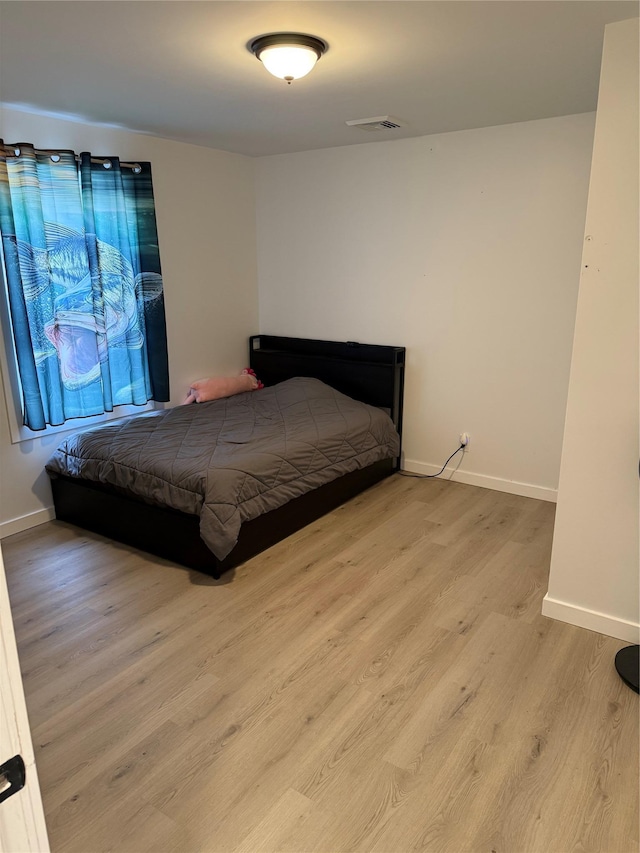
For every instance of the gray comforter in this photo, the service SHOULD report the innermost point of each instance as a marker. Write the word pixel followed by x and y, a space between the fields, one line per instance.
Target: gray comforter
pixel 231 460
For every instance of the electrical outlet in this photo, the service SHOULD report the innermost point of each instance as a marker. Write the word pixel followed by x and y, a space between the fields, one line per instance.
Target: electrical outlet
pixel 465 438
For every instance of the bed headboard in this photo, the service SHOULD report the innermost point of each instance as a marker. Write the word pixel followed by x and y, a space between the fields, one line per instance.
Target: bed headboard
pixel 370 373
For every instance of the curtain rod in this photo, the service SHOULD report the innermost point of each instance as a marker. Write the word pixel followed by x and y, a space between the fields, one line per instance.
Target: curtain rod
pixel 52 152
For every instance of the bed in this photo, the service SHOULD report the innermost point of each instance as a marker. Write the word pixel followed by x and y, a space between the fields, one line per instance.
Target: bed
pixel 328 380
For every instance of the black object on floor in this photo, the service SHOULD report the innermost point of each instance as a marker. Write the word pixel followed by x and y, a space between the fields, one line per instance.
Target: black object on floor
pixel 628 666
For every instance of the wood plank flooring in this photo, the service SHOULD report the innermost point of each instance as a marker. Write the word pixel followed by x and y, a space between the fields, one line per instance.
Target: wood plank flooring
pixel 381 681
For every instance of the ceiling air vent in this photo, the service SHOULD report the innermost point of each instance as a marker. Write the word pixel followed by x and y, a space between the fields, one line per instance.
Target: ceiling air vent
pixel 376 123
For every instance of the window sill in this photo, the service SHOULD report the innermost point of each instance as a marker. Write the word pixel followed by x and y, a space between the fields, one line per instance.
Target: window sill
pixel 20 433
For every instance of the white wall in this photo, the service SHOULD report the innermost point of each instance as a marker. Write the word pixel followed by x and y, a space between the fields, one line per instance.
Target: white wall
pixel 594 565
pixel 205 208
pixel 465 248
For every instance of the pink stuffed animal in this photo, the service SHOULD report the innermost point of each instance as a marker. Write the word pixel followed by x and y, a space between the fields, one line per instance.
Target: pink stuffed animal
pixel 214 389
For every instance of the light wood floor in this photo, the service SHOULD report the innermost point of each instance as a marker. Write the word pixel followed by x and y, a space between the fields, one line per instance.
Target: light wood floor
pixel 381 681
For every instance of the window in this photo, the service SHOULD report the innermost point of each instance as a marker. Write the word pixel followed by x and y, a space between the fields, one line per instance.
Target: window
pixel 84 284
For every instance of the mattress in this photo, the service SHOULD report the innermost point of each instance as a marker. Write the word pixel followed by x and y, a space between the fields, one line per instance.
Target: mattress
pixel 229 461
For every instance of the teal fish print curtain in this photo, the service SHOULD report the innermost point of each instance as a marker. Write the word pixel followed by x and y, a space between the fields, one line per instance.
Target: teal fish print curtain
pixel 84 282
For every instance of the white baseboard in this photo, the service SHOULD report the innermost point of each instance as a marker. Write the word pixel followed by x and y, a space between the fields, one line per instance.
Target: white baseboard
pixel 25 522
pixel 602 623
pixel 527 490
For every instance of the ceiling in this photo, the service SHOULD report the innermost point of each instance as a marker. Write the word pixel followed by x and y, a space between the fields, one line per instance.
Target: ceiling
pixel 181 69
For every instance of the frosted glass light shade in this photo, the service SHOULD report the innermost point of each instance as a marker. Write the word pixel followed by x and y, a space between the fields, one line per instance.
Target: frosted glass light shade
pixel 288 56
pixel 289 62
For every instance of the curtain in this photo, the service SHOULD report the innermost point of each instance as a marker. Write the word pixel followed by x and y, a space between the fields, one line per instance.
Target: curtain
pixel 84 283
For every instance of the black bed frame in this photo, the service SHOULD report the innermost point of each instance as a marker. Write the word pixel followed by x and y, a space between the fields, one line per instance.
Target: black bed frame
pixel 367 372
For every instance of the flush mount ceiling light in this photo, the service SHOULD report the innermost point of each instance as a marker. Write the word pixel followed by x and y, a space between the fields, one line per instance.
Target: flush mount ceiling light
pixel 288 56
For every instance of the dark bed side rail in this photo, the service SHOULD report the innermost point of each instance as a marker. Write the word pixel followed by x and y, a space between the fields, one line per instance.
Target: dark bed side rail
pixel 371 373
